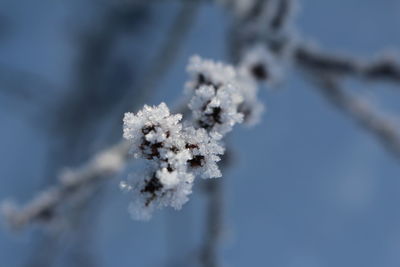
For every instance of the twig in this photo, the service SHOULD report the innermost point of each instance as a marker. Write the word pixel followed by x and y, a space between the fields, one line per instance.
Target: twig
pixel 214 223
pixel 362 113
pixel 27 88
pixel 383 68
pixel 167 53
pixel 282 15
pixel 175 37
pixel 317 62
pixel 105 164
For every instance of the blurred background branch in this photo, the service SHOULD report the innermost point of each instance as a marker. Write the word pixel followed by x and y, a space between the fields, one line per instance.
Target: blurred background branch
pixel 385 68
pixel 362 113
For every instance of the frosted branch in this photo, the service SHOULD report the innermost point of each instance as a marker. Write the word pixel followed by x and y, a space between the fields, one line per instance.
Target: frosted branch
pixel 105 164
pixel 176 151
pixel 383 68
pixel 214 224
pixel 362 113
pixel 27 89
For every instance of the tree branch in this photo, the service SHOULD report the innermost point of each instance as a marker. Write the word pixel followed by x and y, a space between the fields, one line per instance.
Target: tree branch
pixel 167 53
pixel 42 208
pixel 27 88
pixel 108 162
pixel 214 223
pixel 362 113
pixel 383 68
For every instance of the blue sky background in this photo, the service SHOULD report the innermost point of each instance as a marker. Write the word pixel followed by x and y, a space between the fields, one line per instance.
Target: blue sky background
pixel 308 187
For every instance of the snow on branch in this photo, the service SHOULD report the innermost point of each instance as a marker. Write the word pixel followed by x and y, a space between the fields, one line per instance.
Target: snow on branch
pixel 171 151
pixel 71 181
pixel 287 48
pixel 175 152
pixel 361 112
pixel 382 68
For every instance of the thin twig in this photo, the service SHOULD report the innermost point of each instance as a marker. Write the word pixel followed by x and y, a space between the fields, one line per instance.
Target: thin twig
pixel 214 223
pixel 282 15
pixel 362 113
pixel 383 68
pixel 168 52
pixel 27 88
pixel 170 49
pixel 105 164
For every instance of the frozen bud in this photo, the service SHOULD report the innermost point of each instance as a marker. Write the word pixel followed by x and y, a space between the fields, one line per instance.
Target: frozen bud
pixel 208 72
pixel 224 95
pixel 216 110
pixel 262 65
pixel 153 131
pixel 156 135
pixel 205 151
pixel 156 190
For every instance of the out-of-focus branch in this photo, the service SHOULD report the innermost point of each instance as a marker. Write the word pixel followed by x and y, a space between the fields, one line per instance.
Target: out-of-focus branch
pixel 105 164
pixel 169 50
pixel 282 15
pixel 244 33
pixel 26 88
pixel 327 69
pixel 322 66
pixel 383 68
pixel 214 223
pixel 362 113
pixel 174 40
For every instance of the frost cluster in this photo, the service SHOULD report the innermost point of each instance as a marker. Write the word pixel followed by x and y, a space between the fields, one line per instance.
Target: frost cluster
pixel 262 65
pixel 216 110
pixel 174 154
pixel 222 95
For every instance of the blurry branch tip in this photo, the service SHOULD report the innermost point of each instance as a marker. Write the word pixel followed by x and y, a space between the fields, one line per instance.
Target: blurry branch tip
pixel 362 113
pixel 383 68
pixel 44 206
